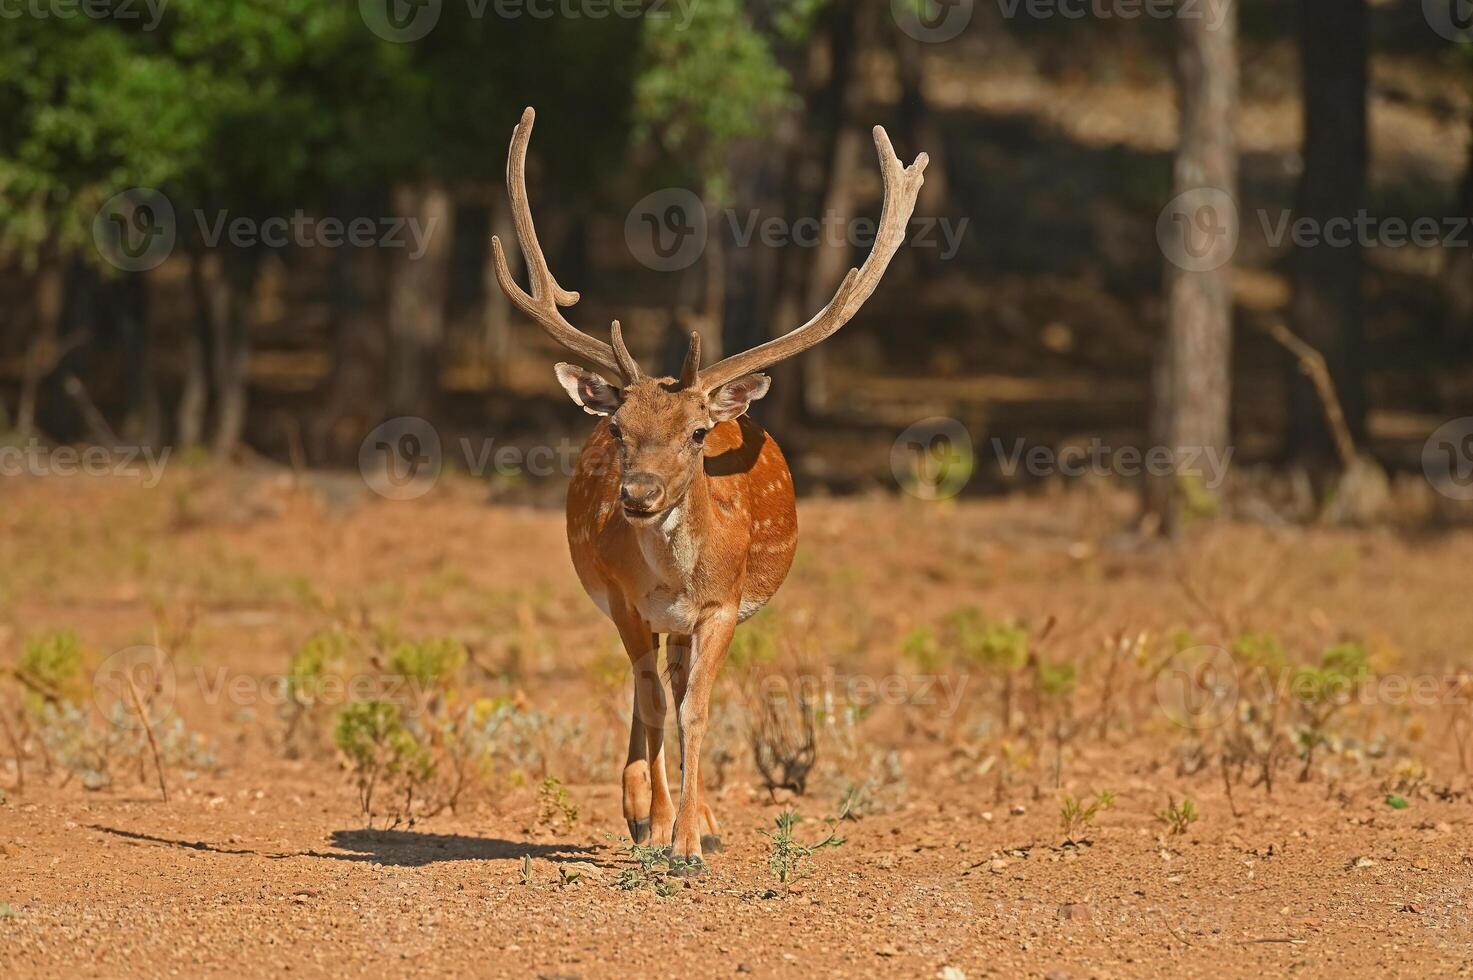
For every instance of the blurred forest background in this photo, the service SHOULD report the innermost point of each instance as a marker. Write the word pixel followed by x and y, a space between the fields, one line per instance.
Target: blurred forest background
pixel 1056 141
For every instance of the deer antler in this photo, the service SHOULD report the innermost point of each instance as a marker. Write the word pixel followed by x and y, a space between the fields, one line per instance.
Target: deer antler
pixel 902 184
pixel 542 305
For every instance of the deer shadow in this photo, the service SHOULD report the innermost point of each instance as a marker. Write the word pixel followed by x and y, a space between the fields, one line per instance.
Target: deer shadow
pixel 412 849
pixel 396 848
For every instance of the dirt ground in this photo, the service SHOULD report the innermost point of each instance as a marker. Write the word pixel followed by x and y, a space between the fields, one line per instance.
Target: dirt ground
pixel 260 862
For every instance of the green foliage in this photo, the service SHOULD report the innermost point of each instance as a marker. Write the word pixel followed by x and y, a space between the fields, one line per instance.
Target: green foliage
pixel 428 664
pixel 1076 817
pixel 754 644
pixel 1259 651
pixel 52 667
pixel 1342 668
pixel 554 804
pixel 706 83
pixel 1178 817
pixel 312 665
pixel 791 860
pixel 381 748
pixel 998 647
pixel 651 870
pixel 1057 681
pixel 1397 802
pixel 920 647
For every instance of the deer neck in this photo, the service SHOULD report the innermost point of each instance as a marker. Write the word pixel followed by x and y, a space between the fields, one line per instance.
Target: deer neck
pixel 671 546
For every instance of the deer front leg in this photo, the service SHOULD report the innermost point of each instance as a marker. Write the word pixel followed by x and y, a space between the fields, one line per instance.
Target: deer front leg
pixel 648 809
pixel 709 642
pixel 677 658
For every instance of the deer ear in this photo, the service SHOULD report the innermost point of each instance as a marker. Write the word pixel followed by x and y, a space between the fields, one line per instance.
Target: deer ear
pixel 735 397
pixel 596 395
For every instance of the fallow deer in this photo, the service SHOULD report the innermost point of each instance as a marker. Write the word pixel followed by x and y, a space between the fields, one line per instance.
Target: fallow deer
pixel 681 516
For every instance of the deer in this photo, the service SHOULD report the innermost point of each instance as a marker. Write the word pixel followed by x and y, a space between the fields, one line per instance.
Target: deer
pixel 681 514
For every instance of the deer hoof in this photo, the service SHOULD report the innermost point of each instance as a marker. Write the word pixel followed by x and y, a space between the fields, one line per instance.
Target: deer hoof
pixel 639 831
pixel 711 844
pixel 687 867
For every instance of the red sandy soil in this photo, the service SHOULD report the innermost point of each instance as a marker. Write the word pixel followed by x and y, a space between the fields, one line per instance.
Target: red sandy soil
pixel 262 864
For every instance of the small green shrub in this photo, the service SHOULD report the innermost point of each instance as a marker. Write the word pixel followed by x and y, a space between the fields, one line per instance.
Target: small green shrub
pixel 1076 817
pixel 791 860
pixel 52 667
pixel 1178 817
pixel 921 648
pixel 382 750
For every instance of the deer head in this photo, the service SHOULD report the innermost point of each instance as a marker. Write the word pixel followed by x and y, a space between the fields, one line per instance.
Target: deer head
pixel 660 423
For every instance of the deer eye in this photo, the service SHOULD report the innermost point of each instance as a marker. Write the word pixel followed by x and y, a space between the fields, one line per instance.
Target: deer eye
pixel 698 436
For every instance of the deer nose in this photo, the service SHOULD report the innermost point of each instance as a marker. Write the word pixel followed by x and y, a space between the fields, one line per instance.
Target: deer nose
pixel 639 490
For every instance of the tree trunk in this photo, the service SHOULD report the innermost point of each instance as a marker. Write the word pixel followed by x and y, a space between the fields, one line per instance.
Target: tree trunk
pixel 230 295
pixel 496 309
pixel 127 301
pixel 353 402
pixel 918 130
pixel 44 350
pixel 1327 301
pixel 832 258
pixel 1458 272
pixel 1192 378
pixel 417 284
pixel 194 395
